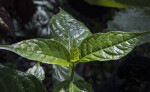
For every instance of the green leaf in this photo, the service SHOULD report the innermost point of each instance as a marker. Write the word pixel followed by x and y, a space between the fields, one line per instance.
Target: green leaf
pixel 78 86
pixel 43 50
pixel 15 81
pixel 37 71
pixel 62 86
pixel 74 88
pixel 63 28
pixel 67 87
pixel 132 20
pixel 120 3
pixel 108 46
pixel 74 52
pixel 61 73
pixel 84 86
pixel 62 90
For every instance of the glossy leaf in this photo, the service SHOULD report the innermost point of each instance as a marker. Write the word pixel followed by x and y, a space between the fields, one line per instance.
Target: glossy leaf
pixel 61 73
pixel 63 28
pixel 15 81
pixel 132 20
pixel 37 71
pixel 74 88
pixel 108 46
pixel 120 3
pixel 43 50
pixel 74 52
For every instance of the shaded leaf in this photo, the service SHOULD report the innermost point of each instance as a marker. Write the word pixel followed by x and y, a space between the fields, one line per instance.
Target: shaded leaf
pixel 108 46
pixel 6 23
pixel 83 86
pixel 78 86
pixel 61 73
pixel 132 20
pixel 43 50
pixel 120 3
pixel 15 81
pixel 37 71
pixel 74 88
pixel 62 86
pixel 63 28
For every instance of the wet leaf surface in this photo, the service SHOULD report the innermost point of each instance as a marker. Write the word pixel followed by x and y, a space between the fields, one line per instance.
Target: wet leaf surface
pixel 37 71
pixel 63 28
pixel 43 50
pixel 108 46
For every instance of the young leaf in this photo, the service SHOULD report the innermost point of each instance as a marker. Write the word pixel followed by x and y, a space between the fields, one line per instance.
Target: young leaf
pixel 74 88
pixel 15 81
pixel 43 50
pixel 120 3
pixel 61 73
pixel 108 46
pixel 74 52
pixel 63 28
pixel 37 71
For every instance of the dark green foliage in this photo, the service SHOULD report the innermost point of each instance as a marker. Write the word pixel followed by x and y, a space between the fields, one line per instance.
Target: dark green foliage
pixel 71 43
pixel 15 81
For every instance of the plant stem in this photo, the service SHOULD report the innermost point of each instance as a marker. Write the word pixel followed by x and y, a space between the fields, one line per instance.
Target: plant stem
pixel 71 72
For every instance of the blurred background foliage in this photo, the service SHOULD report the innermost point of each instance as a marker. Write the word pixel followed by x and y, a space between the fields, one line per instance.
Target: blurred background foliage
pixel 26 19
